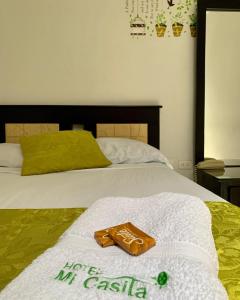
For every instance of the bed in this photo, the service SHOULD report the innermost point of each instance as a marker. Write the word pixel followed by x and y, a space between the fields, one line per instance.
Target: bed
pixel 32 221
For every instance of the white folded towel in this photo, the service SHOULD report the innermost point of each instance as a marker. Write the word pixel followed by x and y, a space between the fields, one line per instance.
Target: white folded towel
pixel 78 268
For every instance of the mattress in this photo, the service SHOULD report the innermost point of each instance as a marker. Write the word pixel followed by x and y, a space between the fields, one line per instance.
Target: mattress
pixel 80 188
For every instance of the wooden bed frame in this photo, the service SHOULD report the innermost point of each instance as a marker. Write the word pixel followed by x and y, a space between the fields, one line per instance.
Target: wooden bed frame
pixel 88 116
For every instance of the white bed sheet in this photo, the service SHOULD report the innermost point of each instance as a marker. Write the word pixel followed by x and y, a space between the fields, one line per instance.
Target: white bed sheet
pixel 80 188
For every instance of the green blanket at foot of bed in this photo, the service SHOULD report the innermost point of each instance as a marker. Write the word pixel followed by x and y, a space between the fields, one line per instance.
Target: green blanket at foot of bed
pixel 226 233
pixel 26 233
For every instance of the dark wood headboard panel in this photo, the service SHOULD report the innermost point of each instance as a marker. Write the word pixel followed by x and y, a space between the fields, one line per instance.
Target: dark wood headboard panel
pixel 89 116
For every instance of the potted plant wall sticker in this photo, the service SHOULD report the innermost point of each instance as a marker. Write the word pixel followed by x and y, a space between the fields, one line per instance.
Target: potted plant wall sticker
pixel 161 24
pixel 193 24
pixel 191 8
pixel 177 25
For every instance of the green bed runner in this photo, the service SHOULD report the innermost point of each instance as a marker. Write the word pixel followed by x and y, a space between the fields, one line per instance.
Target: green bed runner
pixel 26 233
pixel 226 232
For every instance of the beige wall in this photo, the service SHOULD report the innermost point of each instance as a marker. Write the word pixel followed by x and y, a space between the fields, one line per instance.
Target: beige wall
pixel 80 52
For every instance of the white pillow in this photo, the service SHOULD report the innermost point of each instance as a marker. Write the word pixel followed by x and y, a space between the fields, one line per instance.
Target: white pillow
pixel 117 150
pixel 123 150
pixel 10 155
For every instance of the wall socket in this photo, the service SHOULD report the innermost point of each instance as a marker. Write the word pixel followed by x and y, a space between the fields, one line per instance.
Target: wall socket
pixel 185 164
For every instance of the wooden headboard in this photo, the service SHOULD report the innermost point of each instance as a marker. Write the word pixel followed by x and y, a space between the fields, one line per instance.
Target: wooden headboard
pixel 68 116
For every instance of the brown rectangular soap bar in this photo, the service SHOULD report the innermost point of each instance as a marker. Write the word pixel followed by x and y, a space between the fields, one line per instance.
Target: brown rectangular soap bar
pixel 131 239
pixel 103 238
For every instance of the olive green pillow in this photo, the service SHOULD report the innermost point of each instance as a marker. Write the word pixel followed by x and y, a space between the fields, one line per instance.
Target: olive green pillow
pixel 61 151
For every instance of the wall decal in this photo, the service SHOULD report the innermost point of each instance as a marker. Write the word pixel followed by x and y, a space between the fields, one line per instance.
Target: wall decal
pixel 162 18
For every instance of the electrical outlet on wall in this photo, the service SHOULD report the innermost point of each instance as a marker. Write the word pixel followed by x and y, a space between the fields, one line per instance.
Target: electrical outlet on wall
pixel 185 164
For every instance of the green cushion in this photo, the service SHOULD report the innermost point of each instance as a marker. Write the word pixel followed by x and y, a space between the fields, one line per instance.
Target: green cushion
pixel 61 151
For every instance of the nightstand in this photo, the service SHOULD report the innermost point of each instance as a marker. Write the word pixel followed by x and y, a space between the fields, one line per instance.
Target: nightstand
pixel 225 183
